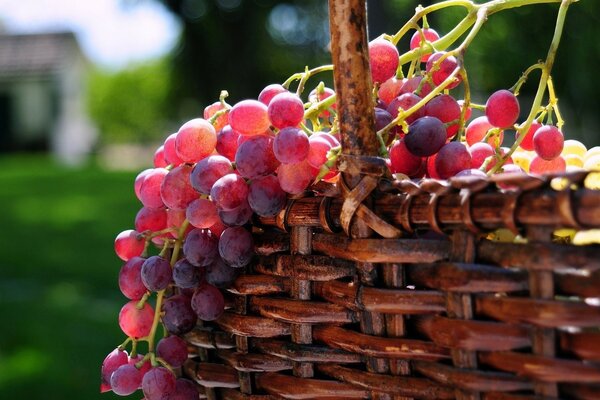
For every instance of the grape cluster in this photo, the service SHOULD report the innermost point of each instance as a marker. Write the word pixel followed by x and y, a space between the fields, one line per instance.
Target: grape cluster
pixel 212 176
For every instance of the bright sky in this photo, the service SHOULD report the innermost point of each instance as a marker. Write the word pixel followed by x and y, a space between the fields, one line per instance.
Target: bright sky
pixel 112 33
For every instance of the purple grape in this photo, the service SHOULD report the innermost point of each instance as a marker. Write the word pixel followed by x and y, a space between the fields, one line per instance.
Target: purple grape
pixel 173 350
pixel 176 190
pixel 158 384
pixel 208 302
pixel 113 360
pixel 266 196
pixel 125 380
pixel 425 137
pixel 156 273
pixel 227 142
pixel 236 246
pixel 200 247
pixel 220 274
pixel 178 316
pixel 229 192
pixel 130 279
pixel 255 157
pixel 208 171
pixel 291 145
pixel 237 217
pixel 186 275
pixel 184 390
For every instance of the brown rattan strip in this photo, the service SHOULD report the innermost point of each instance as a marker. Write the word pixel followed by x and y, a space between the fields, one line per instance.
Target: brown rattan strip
pixel 579 284
pixel 305 352
pixel 254 362
pixel 259 285
pixel 246 325
pixel 301 312
pixel 232 394
pixel 290 387
pixel 208 339
pixel 309 267
pixel 586 345
pixel 212 375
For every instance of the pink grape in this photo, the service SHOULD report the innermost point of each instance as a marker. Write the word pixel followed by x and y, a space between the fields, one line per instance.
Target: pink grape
pixel 445 69
pixel 406 101
pixel 255 157
pixel 130 279
pixel 238 216
pixel 139 179
pixel 548 142
pixel 452 158
pixel 151 219
pixel 286 109
pixel 218 228
pixel 265 196
pixel 269 92
pixel 176 189
pixel 208 171
pixel 178 316
pixel 173 350
pixel 146 365
pixel 236 246
pixel 220 274
pixel 417 86
pixel 318 149
pixel 202 213
pixel 425 137
pixel 540 166
pixel 208 302
pixel 445 108
pixel 313 97
pixel 527 142
pixel 135 322
pixel 200 247
pixel 170 151
pixel 175 219
pixel 461 104
pixel 159 158
pixel 333 140
pixel 502 109
pixel 383 57
pixel 125 380
pixel 229 192
pixel 479 152
pixel 402 160
pixel 150 188
pixel 113 360
pixel 295 178
pixel 227 142
pixel 184 390
pixel 195 140
pixel 186 275
pixel 211 110
pixel 129 244
pixel 478 128
pixel 415 41
pixel 249 117
pixel 158 384
pixel 390 89
pixel 291 145
pixel 156 273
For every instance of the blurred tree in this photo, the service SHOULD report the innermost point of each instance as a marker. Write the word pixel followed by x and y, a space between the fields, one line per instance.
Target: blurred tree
pixel 131 105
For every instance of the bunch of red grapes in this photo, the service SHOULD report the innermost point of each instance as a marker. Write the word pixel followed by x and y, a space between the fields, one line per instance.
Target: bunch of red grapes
pixel 212 176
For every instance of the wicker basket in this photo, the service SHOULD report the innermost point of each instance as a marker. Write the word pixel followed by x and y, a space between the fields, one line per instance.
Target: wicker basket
pixel 383 289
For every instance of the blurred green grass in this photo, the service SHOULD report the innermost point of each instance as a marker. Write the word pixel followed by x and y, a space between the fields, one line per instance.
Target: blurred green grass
pixel 59 297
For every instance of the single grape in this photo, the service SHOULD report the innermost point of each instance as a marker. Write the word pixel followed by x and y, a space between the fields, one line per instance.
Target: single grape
pixel 404 102
pixel 445 108
pixel 430 35
pixel 178 316
pixel 211 110
pixel 227 142
pixel 502 109
pixel 195 140
pixel 390 89
pixel 452 158
pixel 186 275
pixel 417 86
pixel 403 161
pixel 291 145
pixel 159 158
pixel 202 213
pixel 139 179
pixel 176 189
pixel 443 70
pixel 156 273
pixel 479 152
pixel 265 196
pixel 286 110
pixel 151 219
pixel 478 128
pixel 135 322
pixel 236 246
pixel 320 146
pixel 255 157
pixel 527 142
pixel 220 274
pixel 129 244
pixel 111 362
pixel 173 350
pixel 208 302
pixel 383 57
pixel 184 390
pixel 425 137
pixel 125 380
pixel 540 166
pixel 295 178
pixel 170 151
pixel 548 142
pixel 229 192
pixel 158 384
pixel 130 279
pixel 333 140
pixel 269 92
pixel 249 117
pixel 150 188
pixel 574 147
pixel 208 171
pixel 238 216
pixel 200 247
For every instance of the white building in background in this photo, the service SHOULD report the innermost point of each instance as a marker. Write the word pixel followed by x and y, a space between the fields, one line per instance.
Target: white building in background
pixel 42 96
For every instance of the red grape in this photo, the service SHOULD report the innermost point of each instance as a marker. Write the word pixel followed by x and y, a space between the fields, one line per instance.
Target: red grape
pixel 158 384
pixel 202 213
pixel 130 279
pixel 150 188
pixel 113 360
pixel 431 171
pixel 444 70
pixel 390 89
pixel 415 41
pixel 527 143
pixel 479 152
pixel 540 166
pixel 406 101
pixel 238 216
pixel 425 137
pixel 211 110
pixel 445 108
pixel 314 98
pixel 173 350
pixel 411 85
pixel 403 161
pixel 295 178
pixel 139 179
pixel 229 192
pixel 125 380
pixel 249 117
pixel 255 157
pixel 452 158
pixel 269 92
pixel 184 390
pixel 502 109
pixel 176 189
pixel 265 196
pixel 195 140
pixel 135 322
pixel 383 57
pixel 170 152
pixel 151 219
pixel 227 142
pixel 208 302
pixel 129 244
pixel 291 145
pixel 175 219
pixel 548 142
pixel 478 128
pixel 208 171
pixel 200 247
pixel 159 158
pixel 286 109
